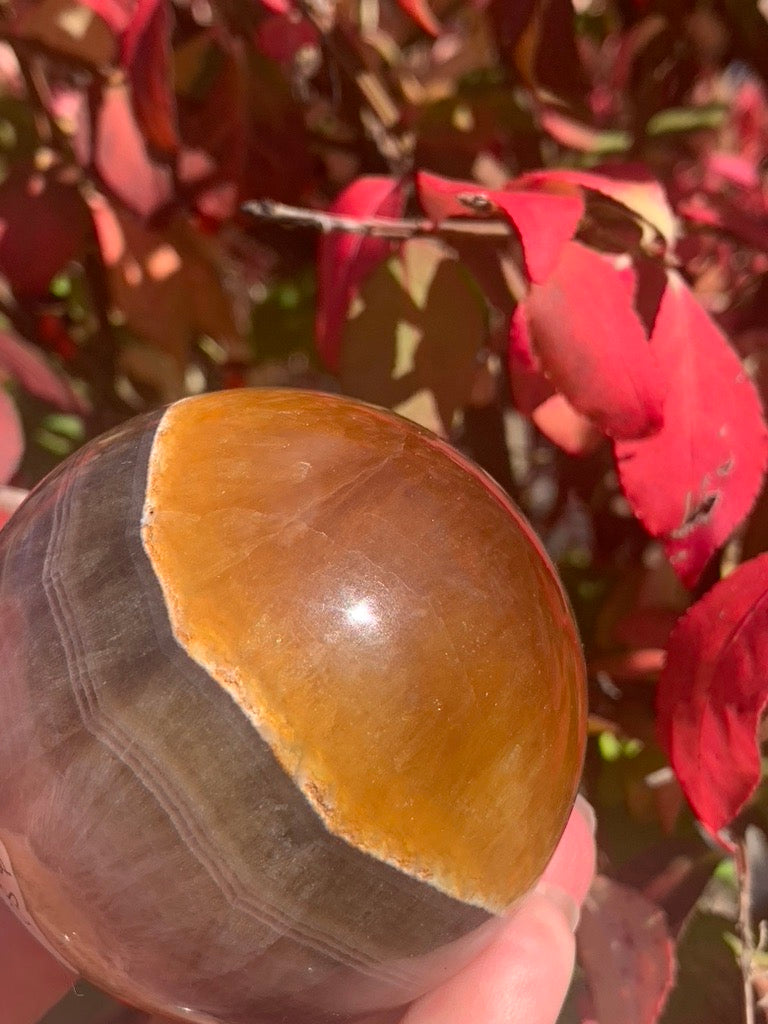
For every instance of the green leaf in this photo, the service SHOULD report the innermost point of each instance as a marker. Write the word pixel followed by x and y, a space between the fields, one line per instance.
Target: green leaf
pixel 609 746
pixel 686 119
pixel 69 427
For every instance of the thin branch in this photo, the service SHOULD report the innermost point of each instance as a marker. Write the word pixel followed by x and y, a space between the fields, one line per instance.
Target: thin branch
pixel 745 929
pixel 372 227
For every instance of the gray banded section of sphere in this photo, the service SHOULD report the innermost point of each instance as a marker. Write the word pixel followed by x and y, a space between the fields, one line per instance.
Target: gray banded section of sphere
pixel 141 785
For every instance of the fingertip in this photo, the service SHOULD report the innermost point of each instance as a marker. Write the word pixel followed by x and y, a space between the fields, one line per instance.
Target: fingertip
pixel 572 866
pixel 583 807
pixel 563 900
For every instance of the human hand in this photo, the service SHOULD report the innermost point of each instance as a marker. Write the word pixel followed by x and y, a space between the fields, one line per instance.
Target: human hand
pixel 521 976
pixel 31 980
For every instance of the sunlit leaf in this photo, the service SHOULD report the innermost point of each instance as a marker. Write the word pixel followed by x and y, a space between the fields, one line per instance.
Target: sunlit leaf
pixel 28 366
pixel 422 14
pixel 694 481
pixel 122 158
pixel 344 260
pixel 544 222
pixel 11 438
pixel 588 339
pixel 635 188
pixel 713 692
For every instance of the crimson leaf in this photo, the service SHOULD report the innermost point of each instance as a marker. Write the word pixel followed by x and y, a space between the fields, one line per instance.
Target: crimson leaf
pixel 543 221
pixel 422 14
pixel 345 260
pixel 694 481
pixel 26 365
pixel 640 193
pixel 590 342
pixel 122 158
pixel 712 692
pixel 11 438
pixel 146 51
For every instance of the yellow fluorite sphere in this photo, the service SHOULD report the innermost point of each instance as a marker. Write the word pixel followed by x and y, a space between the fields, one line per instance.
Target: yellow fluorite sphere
pixel 296 703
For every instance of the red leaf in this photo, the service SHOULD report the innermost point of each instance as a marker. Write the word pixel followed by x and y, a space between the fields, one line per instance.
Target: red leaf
pixel 638 192
pixel 10 499
pixel 544 222
pixel 121 156
pixel 280 38
pixel 216 128
pixel 142 29
pixel 140 17
pixel 43 225
pixel 713 691
pixel 422 14
pixel 25 364
pixel 146 53
pixel 626 952
pixel 126 18
pixel 736 169
pixel 558 420
pixel 592 346
pixel 694 481
pixel 537 39
pixel 442 198
pixel 11 438
pixel 345 260
pixel 521 346
pixel 530 387
pixel 109 233
pixel 730 217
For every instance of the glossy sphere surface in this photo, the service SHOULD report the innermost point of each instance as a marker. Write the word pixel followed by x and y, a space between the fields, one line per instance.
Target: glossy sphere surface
pixel 292 701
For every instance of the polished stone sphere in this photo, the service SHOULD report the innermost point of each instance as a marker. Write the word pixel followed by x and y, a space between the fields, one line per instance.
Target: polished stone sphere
pixel 292 707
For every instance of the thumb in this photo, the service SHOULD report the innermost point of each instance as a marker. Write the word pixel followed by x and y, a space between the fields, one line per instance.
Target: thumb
pixel 521 978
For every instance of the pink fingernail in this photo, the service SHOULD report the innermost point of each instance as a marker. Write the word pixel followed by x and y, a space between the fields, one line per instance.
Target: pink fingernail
pixel 587 812
pixel 562 900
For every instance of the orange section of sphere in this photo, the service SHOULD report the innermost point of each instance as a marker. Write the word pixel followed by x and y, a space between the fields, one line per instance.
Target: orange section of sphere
pixel 386 619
